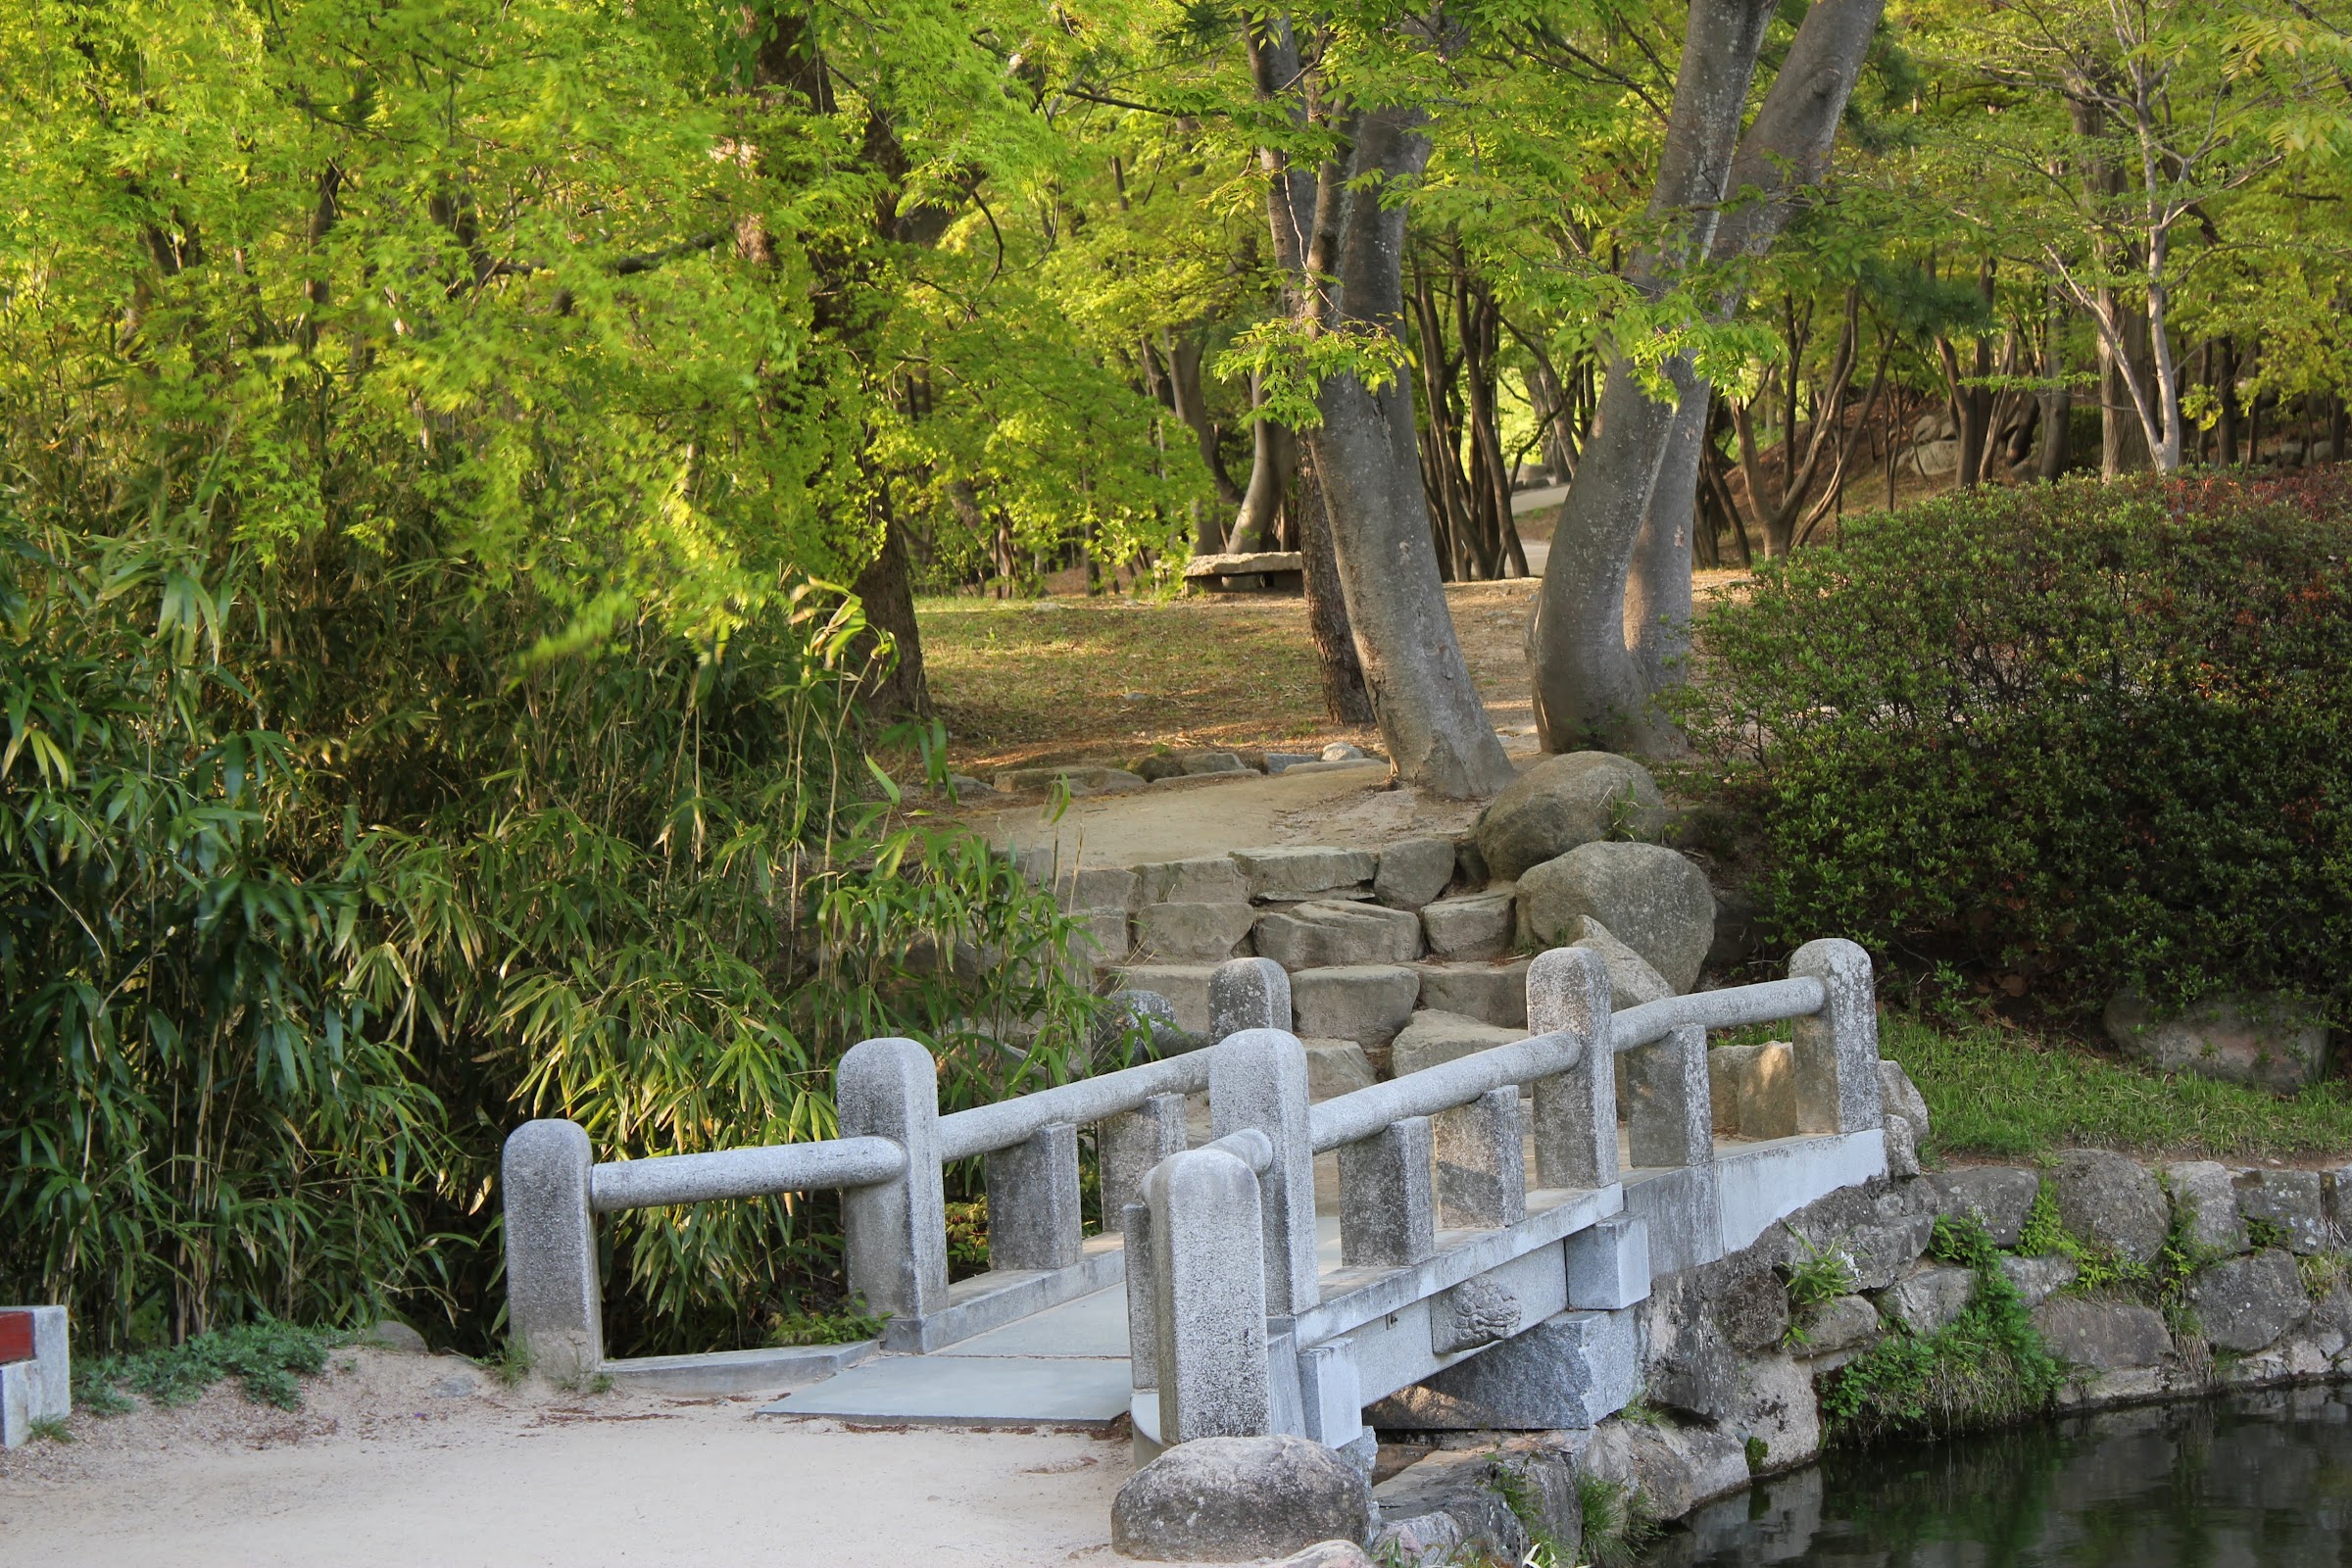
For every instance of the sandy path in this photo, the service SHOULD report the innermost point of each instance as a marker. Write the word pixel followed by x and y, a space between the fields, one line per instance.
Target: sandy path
pixel 379 1469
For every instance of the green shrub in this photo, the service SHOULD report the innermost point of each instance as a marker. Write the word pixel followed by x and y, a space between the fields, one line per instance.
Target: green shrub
pixel 2089 735
pixel 266 1359
pixel 317 878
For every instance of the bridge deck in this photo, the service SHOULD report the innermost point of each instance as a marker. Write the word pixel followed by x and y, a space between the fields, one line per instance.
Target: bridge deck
pixel 1067 1365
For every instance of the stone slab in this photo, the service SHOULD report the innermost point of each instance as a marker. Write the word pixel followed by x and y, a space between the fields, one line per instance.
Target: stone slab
pixel 951 1390
pixel 1761 1184
pixel 1090 1326
pixel 723 1372
pixel 1185 985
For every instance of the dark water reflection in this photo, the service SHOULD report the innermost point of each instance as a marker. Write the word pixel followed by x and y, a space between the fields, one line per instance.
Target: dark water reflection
pixel 2256 1481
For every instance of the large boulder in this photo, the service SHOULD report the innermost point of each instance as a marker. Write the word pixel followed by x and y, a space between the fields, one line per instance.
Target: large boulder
pixel 2108 1200
pixel 2245 1304
pixel 1998 1197
pixel 1320 934
pixel 1562 802
pixel 1901 1097
pixel 1776 1407
pixel 1477 925
pixel 1366 1002
pixel 1336 1067
pixel 2103 1336
pixel 1413 872
pixel 1674 1468
pixel 2269 1041
pixel 1753 1088
pixel 1632 979
pixel 1461 1501
pixel 1931 1298
pixel 1237 1499
pixel 1652 899
pixel 1433 1039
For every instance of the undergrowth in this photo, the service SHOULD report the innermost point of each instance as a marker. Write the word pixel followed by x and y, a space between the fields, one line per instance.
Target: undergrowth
pixel 1618 1525
pixel 1986 1368
pixel 844 1324
pixel 268 1359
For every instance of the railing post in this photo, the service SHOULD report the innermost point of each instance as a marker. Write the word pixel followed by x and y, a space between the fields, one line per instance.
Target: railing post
pixel 1257 1079
pixel 1482 1162
pixel 1033 1215
pixel 1575 1111
pixel 1247 994
pixel 1388 1212
pixel 1671 1117
pixel 896 1230
pixel 555 1305
pixel 1129 1145
pixel 1208 1305
pixel 1835 1051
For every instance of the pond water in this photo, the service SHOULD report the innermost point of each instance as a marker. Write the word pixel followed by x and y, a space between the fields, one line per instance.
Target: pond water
pixel 2254 1481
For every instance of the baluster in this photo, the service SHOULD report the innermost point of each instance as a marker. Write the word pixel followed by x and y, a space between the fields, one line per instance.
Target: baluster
pixel 1142 1356
pixel 1388 1212
pixel 1575 1111
pixel 1482 1162
pixel 555 1305
pixel 897 1231
pixel 1129 1145
pixel 1836 1050
pixel 1209 1297
pixel 1671 1118
pixel 1257 1079
pixel 1033 1215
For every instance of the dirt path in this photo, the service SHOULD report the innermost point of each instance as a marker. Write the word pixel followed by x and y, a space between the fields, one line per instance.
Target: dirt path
pixel 409 1459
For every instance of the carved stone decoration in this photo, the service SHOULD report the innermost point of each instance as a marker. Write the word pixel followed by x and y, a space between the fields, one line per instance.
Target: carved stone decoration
pixel 1473 1313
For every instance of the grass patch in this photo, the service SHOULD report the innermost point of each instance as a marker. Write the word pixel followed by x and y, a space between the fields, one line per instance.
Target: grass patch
pixel 1617 1524
pixel 2000 1092
pixel 266 1359
pixel 1017 683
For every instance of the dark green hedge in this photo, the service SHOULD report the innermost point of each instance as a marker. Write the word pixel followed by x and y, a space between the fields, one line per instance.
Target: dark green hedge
pixel 2088 734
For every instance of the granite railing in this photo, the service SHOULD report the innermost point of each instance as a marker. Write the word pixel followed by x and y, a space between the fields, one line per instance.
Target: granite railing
pixel 1444 1247
pixel 887 1165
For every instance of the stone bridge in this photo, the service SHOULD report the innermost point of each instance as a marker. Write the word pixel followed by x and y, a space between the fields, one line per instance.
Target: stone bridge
pixel 1455 1247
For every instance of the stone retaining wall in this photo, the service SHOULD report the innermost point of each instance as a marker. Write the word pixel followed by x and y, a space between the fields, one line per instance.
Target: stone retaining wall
pixel 2232 1278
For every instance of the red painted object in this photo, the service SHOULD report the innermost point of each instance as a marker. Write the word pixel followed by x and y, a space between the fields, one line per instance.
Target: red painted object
pixel 16 1335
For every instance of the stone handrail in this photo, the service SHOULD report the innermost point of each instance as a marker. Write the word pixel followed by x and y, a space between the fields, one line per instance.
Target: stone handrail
pixel 887 1164
pixel 762 1172
pixel 985 1129
pixel 1357 1115
pixel 1769 1002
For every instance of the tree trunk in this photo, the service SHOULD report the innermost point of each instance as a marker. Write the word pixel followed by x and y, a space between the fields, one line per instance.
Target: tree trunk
pixel 2057 402
pixel 1270 467
pixel 1590 688
pixel 888 594
pixel 2225 394
pixel 1344 694
pixel 1585 672
pixel 1430 715
pixel 1365 466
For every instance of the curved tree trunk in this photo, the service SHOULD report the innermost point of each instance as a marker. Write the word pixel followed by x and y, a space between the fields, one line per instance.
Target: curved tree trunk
pixel 1271 463
pixel 1365 454
pixel 1344 694
pixel 1600 654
